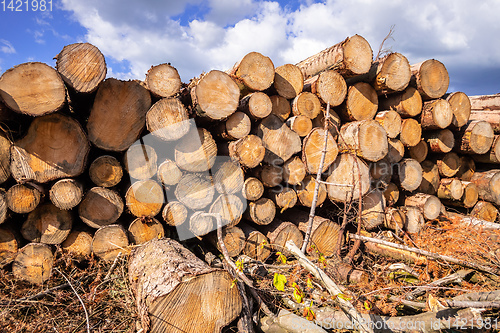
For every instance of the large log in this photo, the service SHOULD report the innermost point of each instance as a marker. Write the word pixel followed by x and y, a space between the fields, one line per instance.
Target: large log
pixel 431 78
pixel 278 139
pixel 313 147
pixel 248 151
pixel 100 206
pixel 441 141
pixel 430 205
pixel 252 189
pixel 256 243
pixel 419 151
pixel 407 103
pixel 118 114
pixel 365 138
pixel 177 292
pixel 54 147
pixel 167 119
pixel 140 161
pixel 196 151
pixel 430 177
pixel 281 106
pixel 491 157
pixel 301 125
pixel 390 121
pixel 305 192
pixel 436 114
pixel 256 105
pixel 22 198
pixel 229 178
pixel 195 190
pixel 492 117
pixel 174 213
pixel 236 126
pixel 352 56
pixel 409 174
pixel 329 86
pixel 461 108
pixel 169 173
pixel 32 88
pixel 411 132
pixel 306 104
pixel 361 103
pixel 261 212
pixel 476 137
pixel 78 243
pixel 163 80
pixel 294 171
pixel 488 185
pixel 349 178
pixel 485 210
pixel 105 171
pixel 109 241
pixel 200 224
pixel 230 207
pixel 66 193
pixel 288 81
pixel 82 66
pixel 142 230
pixel 47 224
pixel 254 72
pixel 33 263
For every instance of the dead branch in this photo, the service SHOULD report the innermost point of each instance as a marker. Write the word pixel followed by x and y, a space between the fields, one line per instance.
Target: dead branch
pixel 79 298
pixel 452 278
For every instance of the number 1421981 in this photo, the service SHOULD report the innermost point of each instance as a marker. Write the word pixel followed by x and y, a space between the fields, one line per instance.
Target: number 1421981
pixel 26 5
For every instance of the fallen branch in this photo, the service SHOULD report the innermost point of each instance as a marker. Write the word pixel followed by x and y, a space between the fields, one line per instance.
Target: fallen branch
pixel 79 298
pixel 452 278
pixel 286 321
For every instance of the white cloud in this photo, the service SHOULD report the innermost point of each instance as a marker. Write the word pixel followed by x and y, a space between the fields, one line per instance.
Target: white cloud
pixel 6 47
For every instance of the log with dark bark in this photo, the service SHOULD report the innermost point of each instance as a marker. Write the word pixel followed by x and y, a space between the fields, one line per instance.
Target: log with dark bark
pixel 313 147
pixel 411 132
pixel 278 139
pixel 436 114
pixel 366 138
pixel 47 224
pixel 142 230
pixel 66 193
pixel 22 198
pixel 100 206
pixel 163 80
pixel 485 210
pixel 269 175
pixel 476 137
pixel 349 178
pixel 105 171
pixel 461 108
pixel 109 241
pixel 396 151
pixel 288 81
pixel 390 121
pixel 78 243
pixel 430 205
pixel 118 114
pixel 380 173
pixel 488 185
pixel 167 119
pixel 329 86
pixel 32 88
pixel 82 66
pixel 361 103
pixel 431 78
pixel 33 263
pixel 169 282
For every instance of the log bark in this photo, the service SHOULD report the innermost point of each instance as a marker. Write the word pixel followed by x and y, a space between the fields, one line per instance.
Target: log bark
pixel 106 171
pixel 233 238
pixel 169 173
pixel 143 230
pixel 78 243
pixel 288 81
pixel 352 56
pixel 3 206
pixel 407 103
pixel 394 219
pixel 82 66
pixel 229 178
pixel 488 185
pixel 301 125
pixel 431 78
pixel 169 282
pixel 279 232
pixel 436 114
pixel 195 191
pixel 236 126
pixel 5 147
pixel 461 108
pixel 441 141
pixel 167 119
pixel 32 88
pixel 476 137
pixel 306 104
pixel 414 219
pixel 491 157
pixel 230 207
pixel 396 151
pixel 256 105
pixel 448 164
pixel 305 192
pixel 391 194
pixel 281 107
pixel 283 197
pixel 261 212
pixel 469 197
pixel 485 102
pixel 54 147
pixel 430 178
pixel 33 263
pixel 430 205
pixel 390 121
pixel 419 151
pixel 47 224
pixel 485 210
pixel 329 86
pixel 196 151
pixel 9 246
pixel 294 171
pixel 252 189
pixel 313 146
pixel 163 80
pixel 269 175
pixel 367 139
pixel 108 128
pixel 66 193
pixel 278 139
pixel 174 213
pixel 22 198
pixel 361 103
pixel 380 173
pixel 215 95
pixel 349 179
pixel 249 151
pixel 373 210
pixel 256 243
pixel 141 161
pixel 411 132
pixel 409 174
pixel 100 206
pixel 490 116
pixel 254 72
pixel 450 189
pixel 110 240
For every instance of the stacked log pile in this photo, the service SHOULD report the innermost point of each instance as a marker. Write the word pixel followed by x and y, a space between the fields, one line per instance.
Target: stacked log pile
pixel 94 165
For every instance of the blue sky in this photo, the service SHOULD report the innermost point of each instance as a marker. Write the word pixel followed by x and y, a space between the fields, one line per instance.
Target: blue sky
pixel 197 36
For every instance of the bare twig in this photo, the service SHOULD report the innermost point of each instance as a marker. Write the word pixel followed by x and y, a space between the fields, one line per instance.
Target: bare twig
pixel 79 298
pixel 452 278
pixel 113 266
pixel 381 50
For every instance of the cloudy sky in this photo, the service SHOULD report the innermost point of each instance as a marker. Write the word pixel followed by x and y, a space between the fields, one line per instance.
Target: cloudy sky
pixel 196 36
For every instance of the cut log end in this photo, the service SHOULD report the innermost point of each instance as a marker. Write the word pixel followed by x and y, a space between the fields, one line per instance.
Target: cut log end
pixel 411 132
pixel 163 80
pixel 431 78
pixel 106 171
pixel 33 263
pixel 110 240
pixel 288 81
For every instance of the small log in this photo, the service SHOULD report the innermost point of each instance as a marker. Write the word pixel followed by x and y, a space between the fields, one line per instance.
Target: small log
pixel 352 56
pixel 301 125
pixel 163 80
pixel 461 108
pixel 110 240
pixel 269 175
pixel 329 86
pixel 396 150
pixel 448 164
pixel 349 179
pixel 236 126
pixel 256 243
pixel 167 119
pixel 485 102
pixel 469 197
pixel 32 88
pixel 105 171
pixel 229 178
pixel 107 127
pixel 279 232
pixel 196 151
pixel 5 147
pixel 54 147
pixel 409 174
pixel 200 224
pixel 313 146
pixel 361 103
pixel 33 263
pixel 488 185
pixel 490 116
pixel 66 193
pixel 390 74
pixel 252 189
pixel 283 197
pixel 365 138
pixel 431 78
pixel 143 230
pixel 391 194
pixel 305 192
pixel 168 281
pixel 281 107
pixel 476 137
pixel 491 157
pixel 47 224
pixel 485 210
pixel 249 151
pixel 419 151
pixel 195 191
pixel 261 212
pixel 144 198
pixel 215 95
pixel 436 114
pixel 407 103
pixel 78 243
pixel 380 173
pixel 233 238
pixel 373 210
pixel 414 219
pixel 394 219
pixel 306 104
pixel 3 206
pixel 390 121
pixel 141 161
pixel 254 72
pixel 9 245
pixel 429 204
pixel 169 173
pixel 174 213
pixel 278 139
pixel 441 141
pixel 411 132
pixel 230 207
pixel 22 198
pixel 256 105
pixel 100 206
pixel 294 171
pixel 450 189
pixel 430 177
pixel 288 81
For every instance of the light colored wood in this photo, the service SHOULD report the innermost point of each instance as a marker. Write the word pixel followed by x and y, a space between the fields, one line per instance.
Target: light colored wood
pixel 252 189
pixel 414 219
pixel 233 238
pixel 396 150
pixel 283 197
pixel 411 132
pixel 448 164
pixel 167 119
pixel 163 80
pixel 144 198
pixel 5 147
pixel 269 175
pixel 430 177
pixel 485 210
pixel 169 173
pixel 110 240
pixel 236 126
pixel 288 81
pixel 407 103
pixel 78 243
pixel 394 219
pixel 54 147
pixel 469 197
pixel 390 121
pixel 256 105
pixel 440 141
pixel 33 263
pixel 312 150
pixel 278 139
pixel 229 178
pixel 476 137
pixel 366 138
pixel 108 128
pixel 391 194
pixel 256 243
pixel 174 213
pixel 491 157
pixel 196 151
pixel 281 107
pixel 82 66
pixel 485 102
pixel 100 206
pixel 66 193
pixel 106 171
pixel 305 191
pixel 306 104
pixel 200 224
pixel 230 207
pixel 143 230
pixel 187 296
pixel 294 171
pixel 261 211
pixel 490 116
pixel 255 72
pixel 409 174
pixel 361 103
pixel 391 73
pixel 488 185
pixel 9 244
pixel 431 78
pixel 329 86
pixel 461 108
pixel 373 210
pixel 47 224
pixel 279 232
pixel 22 198
pixel 249 151
pixel 140 161
pixel 430 205
pixel 349 179
pixel 3 206
pixel 436 114
pixel 195 190
pixel 301 125
pixel 32 88
pixel 450 189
